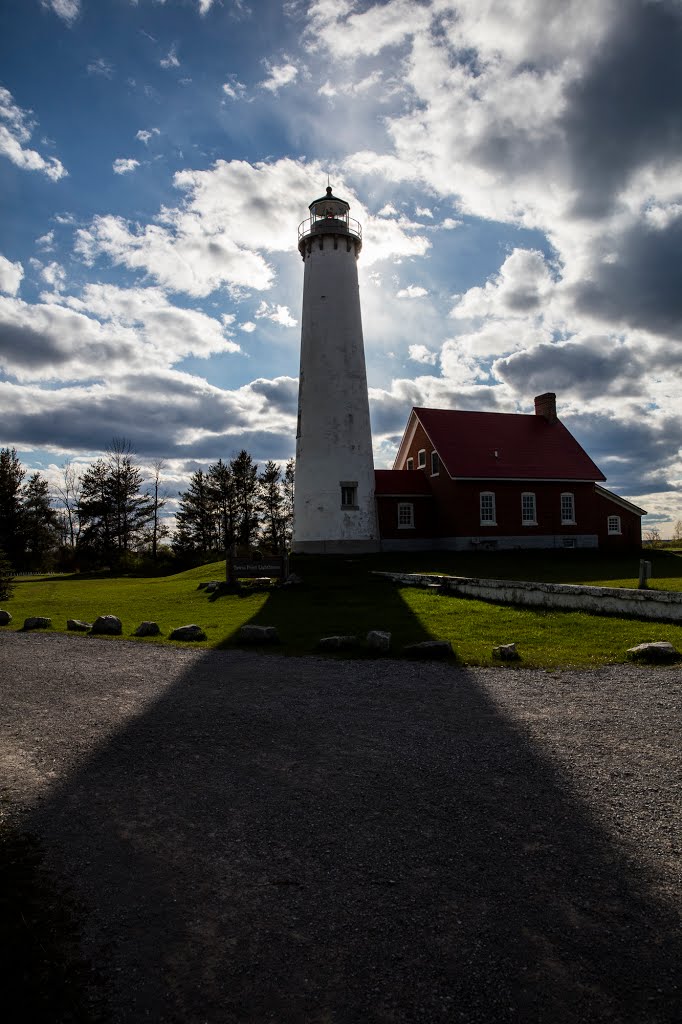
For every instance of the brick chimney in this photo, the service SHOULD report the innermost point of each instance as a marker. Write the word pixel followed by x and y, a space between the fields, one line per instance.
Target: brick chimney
pixel 545 405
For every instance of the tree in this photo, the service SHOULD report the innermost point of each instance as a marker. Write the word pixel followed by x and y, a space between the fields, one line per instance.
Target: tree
pixel 272 504
pixel 223 498
pixel 196 531
pixel 38 527
pixel 158 529
pixel 12 474
pixel 112 509
pixel 288 502
pixel 677 532
pixel 652 536
pixel 69 493
pixel 245 475
pixel 6 576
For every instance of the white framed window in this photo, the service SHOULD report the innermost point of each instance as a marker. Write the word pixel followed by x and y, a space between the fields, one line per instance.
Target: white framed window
pixel 405 515
pixel 529 515
pixel 435 464
pixel 487 504
pixel 421 458
pixel 567 509
pixel 349 494
pixel 410 464
pixel 613 524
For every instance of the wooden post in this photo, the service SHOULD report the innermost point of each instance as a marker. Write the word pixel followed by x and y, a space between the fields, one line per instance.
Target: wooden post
pixel 644 574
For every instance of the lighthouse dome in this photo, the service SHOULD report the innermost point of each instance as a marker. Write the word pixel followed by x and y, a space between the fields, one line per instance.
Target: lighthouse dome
pixel 329 206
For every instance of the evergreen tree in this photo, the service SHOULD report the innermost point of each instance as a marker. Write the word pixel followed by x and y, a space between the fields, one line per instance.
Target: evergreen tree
pixel 11 478
pixel 288 502
pixel 6 576
pixel 38 521
pixel 113 510
pixel 272 505
pixel 222 495
pixel 196 528
pixel 245 475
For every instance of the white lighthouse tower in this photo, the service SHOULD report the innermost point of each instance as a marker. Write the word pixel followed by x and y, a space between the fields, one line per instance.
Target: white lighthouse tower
pixel 334 509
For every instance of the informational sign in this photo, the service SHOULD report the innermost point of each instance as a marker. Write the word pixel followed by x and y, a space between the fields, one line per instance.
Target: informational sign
pixel 249 568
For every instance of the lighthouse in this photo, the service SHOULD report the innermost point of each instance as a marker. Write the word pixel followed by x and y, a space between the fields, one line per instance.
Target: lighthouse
pixel 334 510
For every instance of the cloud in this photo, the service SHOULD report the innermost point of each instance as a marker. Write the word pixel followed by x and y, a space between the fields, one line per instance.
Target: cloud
pixel 46 241
pixel 101 67
pixel 422 354
pixel 278 76
pixel 54 275
pixel 68 10
pixel 144 136
pixel 234 88
pixel 171 59
pixel 522 286
pixel 278 314
pixel 123 165
pixel 248 327
pixel 412 291
pixel 10 276
pixel 16 128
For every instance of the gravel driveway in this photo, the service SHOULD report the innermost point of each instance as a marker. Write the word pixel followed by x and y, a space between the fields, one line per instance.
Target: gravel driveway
pixel 258 838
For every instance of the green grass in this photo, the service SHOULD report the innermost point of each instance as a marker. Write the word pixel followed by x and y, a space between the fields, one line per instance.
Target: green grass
pixel 341 595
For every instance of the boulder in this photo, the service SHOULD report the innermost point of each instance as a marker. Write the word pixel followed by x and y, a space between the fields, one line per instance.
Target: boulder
pixel 212 587
pixel 78 626
pixel 192 632
pixel 661 652
pixel 429 650
pixel 37 622
pixel 5 618
pixel 337 643
pixel 378 640
pixel 107 625
pixel 292 579
pixel 506 652
pixel 147 629
pixel 258 635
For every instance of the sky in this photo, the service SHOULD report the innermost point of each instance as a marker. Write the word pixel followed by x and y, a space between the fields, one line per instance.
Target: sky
pixel 516 166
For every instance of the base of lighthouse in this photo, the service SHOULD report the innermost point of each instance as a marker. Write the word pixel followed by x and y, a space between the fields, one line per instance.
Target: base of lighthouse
pixel 335 547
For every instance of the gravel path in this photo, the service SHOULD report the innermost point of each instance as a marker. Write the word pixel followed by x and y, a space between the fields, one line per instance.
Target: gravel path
pixel 256 839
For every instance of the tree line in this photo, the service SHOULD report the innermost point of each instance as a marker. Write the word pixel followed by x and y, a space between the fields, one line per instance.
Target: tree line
pixel 105 515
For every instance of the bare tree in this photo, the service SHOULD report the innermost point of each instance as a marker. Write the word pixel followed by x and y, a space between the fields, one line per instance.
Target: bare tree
pixel 158 529
pixel 69 493
pixel 677 532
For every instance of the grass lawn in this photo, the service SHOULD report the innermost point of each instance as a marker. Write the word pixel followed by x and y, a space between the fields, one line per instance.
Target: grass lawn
pixel 341 595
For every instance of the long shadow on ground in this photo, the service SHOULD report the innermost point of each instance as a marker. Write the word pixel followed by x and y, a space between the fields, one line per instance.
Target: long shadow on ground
pixel 267 839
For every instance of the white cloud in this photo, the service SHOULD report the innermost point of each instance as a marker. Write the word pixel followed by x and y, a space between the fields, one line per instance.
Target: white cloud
pixel 123 165
pixel 10 276
pixel 413 291
pixel 278 314
pixel 388 210
pixel 46 241
pixel 68 10
pixel 100 66
pixel 450 223
pixel 248 327
pixel 15 132
pixel 234 88
pixel 423 211
pixel 205 6
pixel 278 76
pixel 144 136
pixel 54 275
pixel 171 59
pixel 422 354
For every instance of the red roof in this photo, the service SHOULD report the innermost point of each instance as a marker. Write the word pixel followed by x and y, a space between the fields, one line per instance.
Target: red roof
pixel 499 445
pixel 401 482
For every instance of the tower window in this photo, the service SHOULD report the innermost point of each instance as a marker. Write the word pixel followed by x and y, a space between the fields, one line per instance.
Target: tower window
pixel 349 494
pixel 410 464
pixel 405 515
pixel 435 464
pixel 421 459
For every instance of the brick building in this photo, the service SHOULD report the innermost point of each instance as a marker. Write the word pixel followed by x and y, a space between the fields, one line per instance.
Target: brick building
pixel 468 480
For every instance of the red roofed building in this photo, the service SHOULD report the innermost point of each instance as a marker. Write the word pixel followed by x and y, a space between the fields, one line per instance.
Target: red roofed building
pixel 467 480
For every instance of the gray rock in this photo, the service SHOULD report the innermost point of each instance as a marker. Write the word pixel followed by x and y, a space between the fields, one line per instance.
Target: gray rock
pixel 5 618
pixel 147 629
pixel 192 632
pixel 337 643
pixel 211 587
pixel 78 626
pixel 37 622
pixel 107 625
pixel 258 635
pixel 378 640
pixel 429 649
pixel 292 579
pixel 660 651
pixel 506 652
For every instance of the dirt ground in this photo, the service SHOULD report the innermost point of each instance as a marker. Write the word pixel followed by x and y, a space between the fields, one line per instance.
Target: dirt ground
pixel 230 837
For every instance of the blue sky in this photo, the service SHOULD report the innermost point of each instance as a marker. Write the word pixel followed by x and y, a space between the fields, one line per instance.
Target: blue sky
pixel 516 166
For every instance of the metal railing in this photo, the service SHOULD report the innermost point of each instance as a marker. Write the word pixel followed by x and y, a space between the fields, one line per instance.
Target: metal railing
pixel 344 225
